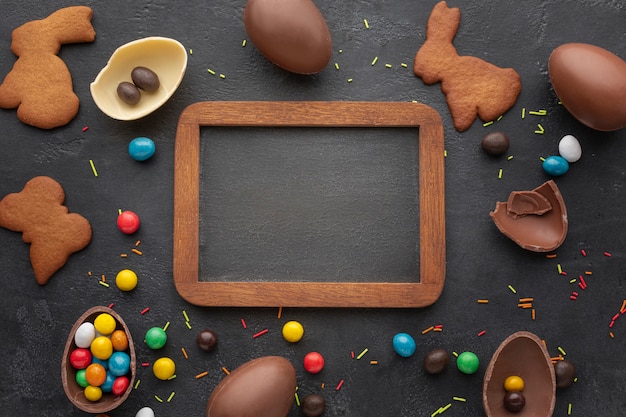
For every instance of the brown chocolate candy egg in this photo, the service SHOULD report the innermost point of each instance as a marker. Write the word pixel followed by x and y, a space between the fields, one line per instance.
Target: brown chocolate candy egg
pixel 262 387
pixel 591 83
pixel 313 405
pixel 565 372
pixel 522 354
pixel 290 33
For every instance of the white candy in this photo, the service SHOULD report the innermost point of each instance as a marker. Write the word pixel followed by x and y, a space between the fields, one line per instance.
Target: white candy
pixel 145 412
pixel 569 148
pixel 85 335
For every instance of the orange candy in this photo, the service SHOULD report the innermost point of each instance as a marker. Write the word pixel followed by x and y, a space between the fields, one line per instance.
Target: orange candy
pixel 95 374
pixel 119 340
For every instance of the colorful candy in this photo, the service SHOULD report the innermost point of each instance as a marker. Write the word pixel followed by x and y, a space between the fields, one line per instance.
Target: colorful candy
pixel 468 363
pixel 164 368
pixel 313 362
pixel 569 148
pixel 141 148
pixel 293 331
pixel 104 324
pixel 404 345
pixel 555 165
pixel 84 335
pixel 80 358
pixel 155 338
pixel 126 280
pixel 206 340
pixel 119 363
pixel 513 383
pixel 128 222
pixel 101 347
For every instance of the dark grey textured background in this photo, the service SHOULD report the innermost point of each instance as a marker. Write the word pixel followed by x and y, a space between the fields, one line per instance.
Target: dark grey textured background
pixel 481 263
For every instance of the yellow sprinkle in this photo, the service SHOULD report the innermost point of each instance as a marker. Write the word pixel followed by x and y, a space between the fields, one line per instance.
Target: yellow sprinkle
pixel 119 211
pixel 572 281
pixel 185 315
pixel 446 407
pixel 222 76
pixel 336 66
pixel 295 394
pixel 137 251
pixel 560 349
pixel 523 112
pixel 375 61
pixel 158 398
pixel 456 355
pixel 202 375
pixel 499 118
pixel 403 65
pixel 509 157
pixel 341 51
pixel 362 353
pixel 540 130
pixel 488 123
pixel 171 396
pixel 137 384
pixel 512 289
pixel 172 377
pixel 538 112
pixel 367 25
pixel 388 65
pixel 166 326
pixel 93 168
pixel 569 409
pixel 459 399
pixel 445 153
pixel 226 371
pixel 541 158
pixel 500 174
pixel 104 284
pixel 558 268
pixel 243 43
pixel 210 71
pixel 349 80
pixel 190 51
pixel 188 325
pixel 373 362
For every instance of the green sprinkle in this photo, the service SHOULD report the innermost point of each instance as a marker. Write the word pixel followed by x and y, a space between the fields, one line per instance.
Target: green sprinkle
pixel 104 284
pixel 541 112
pixel 559 269
pixel 336 65
pixel 459 399
pixel 188 325
pixel 137 384
pixel 488 123
pixel 572 281
pixel 499 118
pixel 446 407
pixel 560 349
pixel 171 396
pixel 375 61
pixel 295 394
pixel 244 42
pixel 512 289
pixel 541 158
pixel 500 174
pixel 403 65
pixel 158 398
pixel 523 112
pixel 210 71
pixel 172 377
pixel 185 315
pixel 388 65
pixel 222 76
pixel 456 355
pixel 540 129
pixel 367 25
pixel 362 353
pixel 166 326
pixel 569 409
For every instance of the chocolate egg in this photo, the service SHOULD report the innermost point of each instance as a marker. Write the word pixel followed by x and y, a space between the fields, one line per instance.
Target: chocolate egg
pixel 262 387
pixel 591 83
pixel 290 33
pixel 521 354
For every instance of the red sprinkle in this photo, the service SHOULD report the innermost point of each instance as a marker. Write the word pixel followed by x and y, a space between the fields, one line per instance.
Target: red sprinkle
pixel 243 323
pixel 607 254
pixel 145 364
pixel 482 333
pixel 584 253
pixel 86 128
pixel 111 305
pixel 615 317
pixel 145 310
pixel 611 324
pixel 581 285
pixel 572 297
pixel 261 333
pixel 438 326
pixel 352 354
pixel 339 385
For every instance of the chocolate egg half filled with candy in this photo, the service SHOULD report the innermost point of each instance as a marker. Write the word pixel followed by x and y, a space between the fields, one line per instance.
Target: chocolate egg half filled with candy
pixel 591 83
pixel 522 354
pixel 262 387
pixel 290 33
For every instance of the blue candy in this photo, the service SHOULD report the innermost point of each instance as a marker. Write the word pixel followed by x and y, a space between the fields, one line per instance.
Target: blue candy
pixel 119 363
pixel 141 148
pixel 555 165
pixel 107 386
pixel 404 344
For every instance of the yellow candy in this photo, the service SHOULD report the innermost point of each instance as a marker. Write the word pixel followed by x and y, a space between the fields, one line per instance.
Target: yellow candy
pixel 126 280
pixel 93 393
pixel 513 383
pixel 101 347
pixel 164 368
pixel 293 331
pixel 104 323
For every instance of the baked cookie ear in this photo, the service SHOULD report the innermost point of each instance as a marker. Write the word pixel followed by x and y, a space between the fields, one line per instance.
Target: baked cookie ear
pixel 54 234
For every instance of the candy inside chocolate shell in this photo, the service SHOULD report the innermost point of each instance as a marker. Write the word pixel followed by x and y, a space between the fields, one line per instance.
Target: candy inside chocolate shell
pixel 521 354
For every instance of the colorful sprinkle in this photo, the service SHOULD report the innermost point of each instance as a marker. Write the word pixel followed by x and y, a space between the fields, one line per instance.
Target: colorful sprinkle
pixel 367 25
pixel 481 333
pixel 540 130
pixel 185 315
pixel 166 326
pixel 184 353
pixel 137 384
pixel 482 301
pixel 280 312
pixel 362 353
pixel 137 251
pixel 560 349
pixel 243 323
pixel 261 333
pixel 244 42
pixel 459 399
pixel 375 61
pixel 171 396
pixel 202 374
pixel 403 65
pixel 86 128
pixel 512 289
pixel 145 310
pixel 210 71
pixel 93 168
pixel 339 385
pixel 158 398
pixel 523 112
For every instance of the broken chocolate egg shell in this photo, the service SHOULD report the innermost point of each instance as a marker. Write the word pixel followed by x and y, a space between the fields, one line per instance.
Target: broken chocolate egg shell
pixel 74 391
pixel 166 57
pixel 539 231
pixel 522 354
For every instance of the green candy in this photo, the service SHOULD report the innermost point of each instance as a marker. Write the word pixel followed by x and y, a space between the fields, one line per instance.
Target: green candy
pixel 156 338
pixel 81 378
pixel 468 363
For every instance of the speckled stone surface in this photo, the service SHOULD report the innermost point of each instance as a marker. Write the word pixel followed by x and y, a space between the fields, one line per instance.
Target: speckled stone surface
pixel 317 205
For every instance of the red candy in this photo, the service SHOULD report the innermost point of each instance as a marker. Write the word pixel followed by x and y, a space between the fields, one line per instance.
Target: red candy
pixel 313 362
pixel 80 358
pixel 128 222
pixel 120 385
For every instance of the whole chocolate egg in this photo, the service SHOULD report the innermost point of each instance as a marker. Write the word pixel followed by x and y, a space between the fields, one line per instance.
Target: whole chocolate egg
pixel 290 33
pixel 591 83
pixel 262 387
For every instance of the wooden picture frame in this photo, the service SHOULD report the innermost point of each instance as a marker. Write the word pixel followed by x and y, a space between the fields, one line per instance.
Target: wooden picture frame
pixel 432 242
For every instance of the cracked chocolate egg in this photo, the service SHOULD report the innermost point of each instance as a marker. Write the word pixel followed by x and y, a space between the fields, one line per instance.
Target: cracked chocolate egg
pixel 524 355
pixel 536 220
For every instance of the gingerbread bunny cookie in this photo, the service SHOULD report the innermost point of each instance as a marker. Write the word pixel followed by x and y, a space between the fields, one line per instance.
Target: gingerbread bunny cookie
pixel 40 84
pixel 473 87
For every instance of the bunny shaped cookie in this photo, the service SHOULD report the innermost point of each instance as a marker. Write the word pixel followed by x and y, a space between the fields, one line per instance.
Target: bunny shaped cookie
pixel 40 84
pixel 473 87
